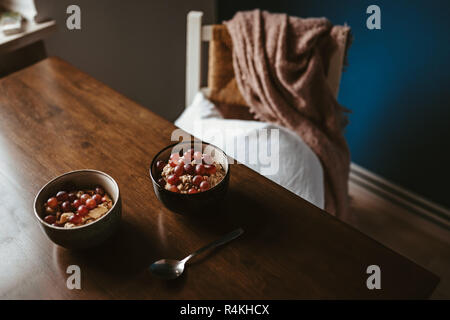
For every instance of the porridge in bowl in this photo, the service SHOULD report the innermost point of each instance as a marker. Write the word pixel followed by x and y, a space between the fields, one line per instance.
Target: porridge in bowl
pixel 76 208
pixel 191 173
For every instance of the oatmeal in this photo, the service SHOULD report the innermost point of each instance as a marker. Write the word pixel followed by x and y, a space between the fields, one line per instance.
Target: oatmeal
pixel 76 208
pixel 192 173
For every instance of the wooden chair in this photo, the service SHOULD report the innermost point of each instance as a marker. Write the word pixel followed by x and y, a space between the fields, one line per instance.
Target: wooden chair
pixel 198 33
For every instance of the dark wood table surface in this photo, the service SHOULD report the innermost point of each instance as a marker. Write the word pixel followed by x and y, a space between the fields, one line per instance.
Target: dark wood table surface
pixel 55 118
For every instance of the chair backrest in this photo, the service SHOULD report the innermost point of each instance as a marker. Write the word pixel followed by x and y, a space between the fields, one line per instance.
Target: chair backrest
pixel 197 33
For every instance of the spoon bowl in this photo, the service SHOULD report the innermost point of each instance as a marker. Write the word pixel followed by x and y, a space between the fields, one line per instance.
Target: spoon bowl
pixel 167 269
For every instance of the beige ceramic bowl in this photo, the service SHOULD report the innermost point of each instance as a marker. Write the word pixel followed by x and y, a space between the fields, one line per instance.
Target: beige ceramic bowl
pixel 84 236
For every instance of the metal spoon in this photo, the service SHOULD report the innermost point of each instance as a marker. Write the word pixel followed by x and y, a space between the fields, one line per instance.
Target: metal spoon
pixel 171 269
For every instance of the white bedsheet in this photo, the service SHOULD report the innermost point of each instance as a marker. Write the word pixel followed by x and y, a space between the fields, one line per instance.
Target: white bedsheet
pixel 288 161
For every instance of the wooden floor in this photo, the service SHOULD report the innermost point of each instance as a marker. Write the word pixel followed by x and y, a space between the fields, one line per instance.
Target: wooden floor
pixel 405 232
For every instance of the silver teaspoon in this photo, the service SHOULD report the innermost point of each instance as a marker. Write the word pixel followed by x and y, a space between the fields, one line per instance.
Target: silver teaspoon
pixel 171 269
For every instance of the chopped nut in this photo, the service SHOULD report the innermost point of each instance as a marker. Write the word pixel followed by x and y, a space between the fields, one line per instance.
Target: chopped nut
pixel 98 212
pixel 65 217
pixel 89 220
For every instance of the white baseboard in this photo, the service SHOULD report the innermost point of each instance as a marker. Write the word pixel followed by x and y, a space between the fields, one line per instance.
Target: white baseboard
pixel 386 189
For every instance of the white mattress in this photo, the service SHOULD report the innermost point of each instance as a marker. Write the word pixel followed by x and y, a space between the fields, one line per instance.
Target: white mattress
pixel 288 161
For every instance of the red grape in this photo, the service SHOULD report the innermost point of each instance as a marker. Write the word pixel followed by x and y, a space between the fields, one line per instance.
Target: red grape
pixel 160 165
pixel 62 196
pixel 83 210
pixel 76 219
pixel 77 203
pixel 66 207
pixel 173 163
pixel 100 191
pixel 173 179
pixel 210 169
pixel 49 210
pixel 197 155
pixel 162 182
pixel 173 188
pixel 72 197
pixel 53 203
pixel 97 198
pixel 207 159
pixel 179 170
pixel 174 157
pixel 200 169
pixel 91 204
pixel 50 219
pixel 85 197
pixel 204 186
pixel 189 168
pixel 192 191
pixel 188 155
pixel 197 180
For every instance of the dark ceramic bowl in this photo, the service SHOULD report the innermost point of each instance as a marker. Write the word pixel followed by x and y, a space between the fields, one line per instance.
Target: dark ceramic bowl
pixel 191 203
pixel 88 235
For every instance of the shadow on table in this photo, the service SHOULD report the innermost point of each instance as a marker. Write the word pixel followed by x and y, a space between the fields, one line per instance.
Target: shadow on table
pixel 239 210
pixel 128 252
pixel 124 259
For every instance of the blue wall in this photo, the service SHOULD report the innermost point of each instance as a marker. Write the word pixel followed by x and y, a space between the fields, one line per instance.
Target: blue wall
pixel 395 85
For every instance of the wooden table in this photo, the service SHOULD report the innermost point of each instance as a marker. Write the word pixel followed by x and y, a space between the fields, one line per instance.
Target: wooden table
pixel 54 118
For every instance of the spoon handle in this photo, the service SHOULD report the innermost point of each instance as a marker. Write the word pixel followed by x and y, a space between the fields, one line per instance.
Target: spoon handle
pixel 227 238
